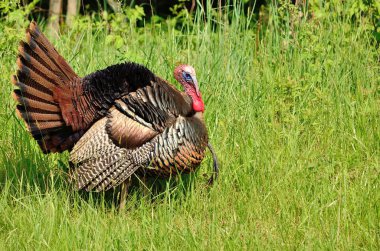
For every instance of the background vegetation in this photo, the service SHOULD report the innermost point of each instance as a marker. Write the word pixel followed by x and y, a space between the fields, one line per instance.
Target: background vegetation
pixel 293 109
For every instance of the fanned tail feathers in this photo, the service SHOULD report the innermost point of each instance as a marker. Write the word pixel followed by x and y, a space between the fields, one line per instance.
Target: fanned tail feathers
pixel 42 76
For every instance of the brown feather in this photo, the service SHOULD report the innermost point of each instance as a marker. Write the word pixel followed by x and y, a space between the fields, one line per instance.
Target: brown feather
pixel 32 91
pixel 126 132
pixel 38 66
pixel 28 102
pixel 43 125
pixel 34 76
pixel 51 52
pixel 45 93
pixel 40 116
pixel 41 54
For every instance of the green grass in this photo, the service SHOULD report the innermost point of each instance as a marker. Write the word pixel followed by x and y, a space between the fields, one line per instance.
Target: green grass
pixel 293 115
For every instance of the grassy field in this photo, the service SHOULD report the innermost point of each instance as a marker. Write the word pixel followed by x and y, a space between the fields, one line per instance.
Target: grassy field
pixel 293 114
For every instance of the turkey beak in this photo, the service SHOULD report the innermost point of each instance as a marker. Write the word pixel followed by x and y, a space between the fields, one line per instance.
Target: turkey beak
pixel 195 82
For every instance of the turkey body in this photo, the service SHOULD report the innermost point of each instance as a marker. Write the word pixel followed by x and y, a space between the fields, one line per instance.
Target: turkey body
pixel 114 122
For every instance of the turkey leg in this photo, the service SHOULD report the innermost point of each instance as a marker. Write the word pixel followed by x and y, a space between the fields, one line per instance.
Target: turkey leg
pixel 123 193
pixel 146 190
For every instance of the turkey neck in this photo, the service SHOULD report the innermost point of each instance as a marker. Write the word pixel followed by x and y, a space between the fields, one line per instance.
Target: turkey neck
pixel 197 102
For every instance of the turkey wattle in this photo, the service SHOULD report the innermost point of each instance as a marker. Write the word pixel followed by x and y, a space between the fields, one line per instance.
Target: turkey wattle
pixel 114 121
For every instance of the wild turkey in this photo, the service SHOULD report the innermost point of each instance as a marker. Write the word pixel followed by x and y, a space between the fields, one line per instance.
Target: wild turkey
pixel 115 121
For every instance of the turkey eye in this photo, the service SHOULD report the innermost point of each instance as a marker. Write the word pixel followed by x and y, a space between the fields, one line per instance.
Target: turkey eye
pixel 187 76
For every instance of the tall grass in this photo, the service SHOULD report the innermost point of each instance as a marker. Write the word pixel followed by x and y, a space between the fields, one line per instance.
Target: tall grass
pixel 293 112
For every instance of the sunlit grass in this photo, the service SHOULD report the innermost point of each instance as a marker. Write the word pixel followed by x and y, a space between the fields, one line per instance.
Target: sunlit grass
pixel 293 117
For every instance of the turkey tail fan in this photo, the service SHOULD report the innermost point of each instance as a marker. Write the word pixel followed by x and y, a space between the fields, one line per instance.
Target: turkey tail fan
pixel 42 76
